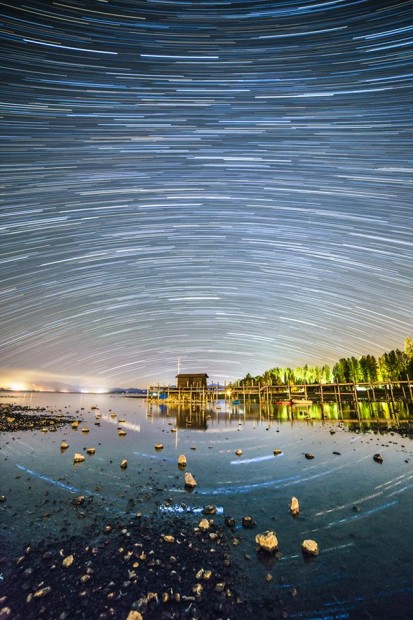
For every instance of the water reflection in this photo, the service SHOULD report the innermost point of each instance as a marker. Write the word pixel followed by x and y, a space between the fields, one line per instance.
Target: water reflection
pixel 202 418
pixel 41 480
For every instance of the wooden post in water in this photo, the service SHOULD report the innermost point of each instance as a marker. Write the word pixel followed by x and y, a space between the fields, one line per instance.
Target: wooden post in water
pixel 356 401
pixel 340 404
pixel 410 389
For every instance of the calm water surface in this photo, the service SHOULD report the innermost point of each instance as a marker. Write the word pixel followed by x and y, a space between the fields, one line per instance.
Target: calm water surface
pixel 365 554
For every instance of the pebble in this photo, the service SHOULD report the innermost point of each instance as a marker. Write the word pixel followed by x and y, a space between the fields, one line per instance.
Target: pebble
pixel 68 561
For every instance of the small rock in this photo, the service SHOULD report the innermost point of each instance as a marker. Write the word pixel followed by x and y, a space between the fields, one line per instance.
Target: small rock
pixel 248 522
pixel 75 424
pixel 68 561
pixel 378 458
pixel 158 446
pixel 210 510
pixel 277 451
pixel 309 547
pixel 169 538
pixel 64 445
pixel 91 450
pixel 267 541
pixel 182 460
pixel 190 481
pixel 123 464
pixel 42 592
pixel 85 429
pixel 238 452
pixel 78 458
pixel 308 455
pixel 122 433
pixel 204 525
pixel 229 521
pixel 197 589
pixel 134 615
pixel 294 506
pixel 78 500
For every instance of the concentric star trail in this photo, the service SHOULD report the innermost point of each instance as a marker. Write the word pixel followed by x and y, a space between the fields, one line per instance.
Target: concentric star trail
pixel 227 183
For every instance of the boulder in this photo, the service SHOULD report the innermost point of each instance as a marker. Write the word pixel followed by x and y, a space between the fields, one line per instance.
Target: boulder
pixel 294 506
pixel 182 460
pixel 190 481
pixel 267 541
pixel 78 458
pixel 123 464
pixel 310 547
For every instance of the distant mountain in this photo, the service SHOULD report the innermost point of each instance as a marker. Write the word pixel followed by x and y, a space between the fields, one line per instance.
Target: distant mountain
pixel 126 391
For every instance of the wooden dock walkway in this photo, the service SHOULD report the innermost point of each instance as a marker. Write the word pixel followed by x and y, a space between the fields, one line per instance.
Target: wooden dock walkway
pixel 317 393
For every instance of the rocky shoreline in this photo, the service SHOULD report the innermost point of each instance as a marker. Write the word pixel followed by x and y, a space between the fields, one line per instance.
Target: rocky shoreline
pixel 23 418
pixel 158 568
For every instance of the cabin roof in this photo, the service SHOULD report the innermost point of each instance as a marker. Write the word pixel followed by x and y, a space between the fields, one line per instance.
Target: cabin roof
pixel 191 374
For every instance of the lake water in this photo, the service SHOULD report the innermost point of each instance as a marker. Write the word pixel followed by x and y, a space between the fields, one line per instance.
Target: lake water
pixel 359 511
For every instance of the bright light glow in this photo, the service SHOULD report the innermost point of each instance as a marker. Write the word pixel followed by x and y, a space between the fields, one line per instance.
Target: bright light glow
pixel 18 387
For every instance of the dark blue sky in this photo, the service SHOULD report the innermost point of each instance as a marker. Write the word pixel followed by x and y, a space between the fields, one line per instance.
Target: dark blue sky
pixel 228 183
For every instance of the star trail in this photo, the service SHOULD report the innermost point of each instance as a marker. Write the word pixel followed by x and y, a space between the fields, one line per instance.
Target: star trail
pixel 227 183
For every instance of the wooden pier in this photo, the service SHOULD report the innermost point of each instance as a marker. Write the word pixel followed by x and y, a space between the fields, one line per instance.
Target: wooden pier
pixel 317 393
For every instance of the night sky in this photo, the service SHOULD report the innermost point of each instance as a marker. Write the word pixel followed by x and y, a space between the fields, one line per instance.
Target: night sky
pixel 227 183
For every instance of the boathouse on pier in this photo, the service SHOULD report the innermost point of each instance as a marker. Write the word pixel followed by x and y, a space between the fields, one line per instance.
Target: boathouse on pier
pixel 191 380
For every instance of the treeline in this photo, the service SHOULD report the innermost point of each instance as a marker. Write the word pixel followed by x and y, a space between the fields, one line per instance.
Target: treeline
pixel 392 366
